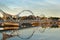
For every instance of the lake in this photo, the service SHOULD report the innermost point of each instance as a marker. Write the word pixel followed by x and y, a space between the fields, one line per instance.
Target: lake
pixel 39 34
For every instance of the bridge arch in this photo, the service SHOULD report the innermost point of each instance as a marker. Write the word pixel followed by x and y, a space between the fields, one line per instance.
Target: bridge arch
pixel 2 13
pixel 25 11
pixel 6 15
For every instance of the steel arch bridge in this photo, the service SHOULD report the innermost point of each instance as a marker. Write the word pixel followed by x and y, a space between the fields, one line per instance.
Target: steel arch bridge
pixel 6 14
pixel 25 11
pixel 17 31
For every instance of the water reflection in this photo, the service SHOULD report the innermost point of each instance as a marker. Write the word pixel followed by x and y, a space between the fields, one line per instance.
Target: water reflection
pixel 49 34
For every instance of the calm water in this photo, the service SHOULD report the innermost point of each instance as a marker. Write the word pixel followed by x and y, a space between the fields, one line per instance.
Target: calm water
pixel 48 34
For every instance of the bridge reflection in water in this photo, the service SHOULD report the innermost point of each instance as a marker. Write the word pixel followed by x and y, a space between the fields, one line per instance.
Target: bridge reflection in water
pixel 48 34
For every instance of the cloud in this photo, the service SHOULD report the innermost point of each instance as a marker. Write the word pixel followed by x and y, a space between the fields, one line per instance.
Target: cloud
pixel 48 7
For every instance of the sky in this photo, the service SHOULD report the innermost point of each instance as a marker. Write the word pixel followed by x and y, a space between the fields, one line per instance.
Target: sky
pixel 38 7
